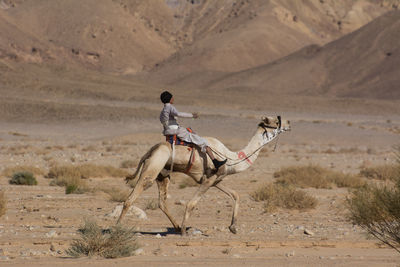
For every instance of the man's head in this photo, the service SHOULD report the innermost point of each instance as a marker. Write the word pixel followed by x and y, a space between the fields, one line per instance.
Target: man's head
pixel 165 97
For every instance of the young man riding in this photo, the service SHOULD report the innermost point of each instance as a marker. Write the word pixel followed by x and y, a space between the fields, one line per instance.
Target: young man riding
pixel 171 127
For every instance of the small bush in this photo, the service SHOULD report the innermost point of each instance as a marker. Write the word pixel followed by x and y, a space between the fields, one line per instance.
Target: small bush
pixel 72 184
pixel 304 176
pixel 382 172
pixel 346 180
pixel 152 204
pixel 316 177
pixel 8 172
pixel 114 193
pixel 187 182
pixel 284 196
pixel 126 164
pixel 115 242
pixel 377 210
pixel 23 178
pixel 86 171
pixel 72 177
pixel 2 204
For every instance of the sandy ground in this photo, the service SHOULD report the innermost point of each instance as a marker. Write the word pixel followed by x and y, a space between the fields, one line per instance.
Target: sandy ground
pixel 41 221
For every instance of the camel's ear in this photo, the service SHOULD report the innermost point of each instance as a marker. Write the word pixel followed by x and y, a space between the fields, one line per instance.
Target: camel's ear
pixel 265 120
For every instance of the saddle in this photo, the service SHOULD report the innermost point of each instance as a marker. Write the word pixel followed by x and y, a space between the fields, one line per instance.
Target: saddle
pixel 173 139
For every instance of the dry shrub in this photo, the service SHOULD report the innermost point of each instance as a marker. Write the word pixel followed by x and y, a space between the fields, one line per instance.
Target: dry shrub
pixel 18 134
pixel 304 176
pixel 126 164
pixel 346 180
pixel 115 242
pixel 23 178
pixel 73 184
pixel 382 172
pixel 284 196
pixel 9 171
pixel 89 148
pixel 86 171
pixel 2 204
pixel 377 210
pixel 151 204
pixel 115 194
pixel 187 182
pixel 316 176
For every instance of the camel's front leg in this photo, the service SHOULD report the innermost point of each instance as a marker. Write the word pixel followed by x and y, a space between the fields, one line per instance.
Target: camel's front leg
pixel 163 183
pixel 197 196
pixel 235 197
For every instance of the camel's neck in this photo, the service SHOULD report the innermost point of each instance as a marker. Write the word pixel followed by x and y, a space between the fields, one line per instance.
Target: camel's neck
pixel 247 156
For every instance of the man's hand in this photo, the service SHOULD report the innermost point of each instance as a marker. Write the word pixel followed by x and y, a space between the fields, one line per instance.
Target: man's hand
pixel 195 115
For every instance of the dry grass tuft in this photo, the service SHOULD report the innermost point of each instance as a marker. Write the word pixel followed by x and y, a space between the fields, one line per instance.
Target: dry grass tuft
pixel 115 242
pixel 284 196
pixel 9 171
pixel 86 171
pixel 126 164
pixel 115 194
pixel 73 184
pixel 187 182
pixel 3 202
pixel 317 177
pixel 346 180
pixel 382 172
pixel 152 204
pixel 304 176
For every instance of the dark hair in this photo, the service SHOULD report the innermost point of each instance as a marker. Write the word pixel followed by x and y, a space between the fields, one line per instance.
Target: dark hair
pixel 165 97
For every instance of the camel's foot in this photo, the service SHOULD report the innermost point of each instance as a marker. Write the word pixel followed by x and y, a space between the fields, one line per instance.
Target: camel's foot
pixel 233 229
pixel 184 231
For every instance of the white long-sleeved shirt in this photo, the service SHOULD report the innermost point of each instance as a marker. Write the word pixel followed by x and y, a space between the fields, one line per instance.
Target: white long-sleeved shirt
pixel 168 118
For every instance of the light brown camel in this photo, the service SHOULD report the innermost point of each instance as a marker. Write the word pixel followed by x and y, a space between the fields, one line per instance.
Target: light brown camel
pixel 156 163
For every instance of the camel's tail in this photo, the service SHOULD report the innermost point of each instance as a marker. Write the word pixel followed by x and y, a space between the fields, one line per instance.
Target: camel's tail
pixel 132 179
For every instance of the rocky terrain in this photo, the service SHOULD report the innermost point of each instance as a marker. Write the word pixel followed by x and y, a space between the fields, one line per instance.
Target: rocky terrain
pixel 80 84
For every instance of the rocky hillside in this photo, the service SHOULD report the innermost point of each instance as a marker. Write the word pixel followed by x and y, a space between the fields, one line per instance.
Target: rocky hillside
pixel 361 64
pixel 121 36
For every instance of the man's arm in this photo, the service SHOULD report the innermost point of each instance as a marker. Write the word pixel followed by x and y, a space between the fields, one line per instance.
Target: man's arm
pixel 176 113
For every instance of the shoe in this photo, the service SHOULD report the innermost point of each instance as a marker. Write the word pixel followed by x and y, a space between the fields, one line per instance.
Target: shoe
pixel 218 163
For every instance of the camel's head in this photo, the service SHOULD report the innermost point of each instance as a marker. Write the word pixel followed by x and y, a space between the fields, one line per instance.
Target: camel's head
pixel 275 123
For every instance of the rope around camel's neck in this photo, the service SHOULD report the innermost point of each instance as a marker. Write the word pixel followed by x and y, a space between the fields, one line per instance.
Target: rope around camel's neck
pixel 250 153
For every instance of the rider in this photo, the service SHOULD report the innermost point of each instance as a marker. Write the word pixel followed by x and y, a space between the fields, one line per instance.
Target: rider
pixel 171 127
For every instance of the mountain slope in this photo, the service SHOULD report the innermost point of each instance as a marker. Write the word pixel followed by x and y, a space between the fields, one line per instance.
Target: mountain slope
pixel 361 64
pixel 128 37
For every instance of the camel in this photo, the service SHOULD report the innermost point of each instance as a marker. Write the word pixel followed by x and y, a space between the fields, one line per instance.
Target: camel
pixel 155 165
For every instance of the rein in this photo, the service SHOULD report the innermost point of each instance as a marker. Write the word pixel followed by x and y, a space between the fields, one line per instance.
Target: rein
pixel 265 133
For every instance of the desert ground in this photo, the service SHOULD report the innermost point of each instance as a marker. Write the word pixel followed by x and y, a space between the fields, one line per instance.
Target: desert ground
pixel 41 221
pixel 80 84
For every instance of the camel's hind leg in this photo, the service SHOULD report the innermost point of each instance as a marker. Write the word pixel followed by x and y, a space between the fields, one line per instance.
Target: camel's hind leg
pixel 151 169
pixel 235 197
pixel 163 182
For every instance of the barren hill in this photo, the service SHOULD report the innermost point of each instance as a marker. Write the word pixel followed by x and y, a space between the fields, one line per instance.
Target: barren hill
pixel 361 64
pixel 121 36
pixel 60 57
